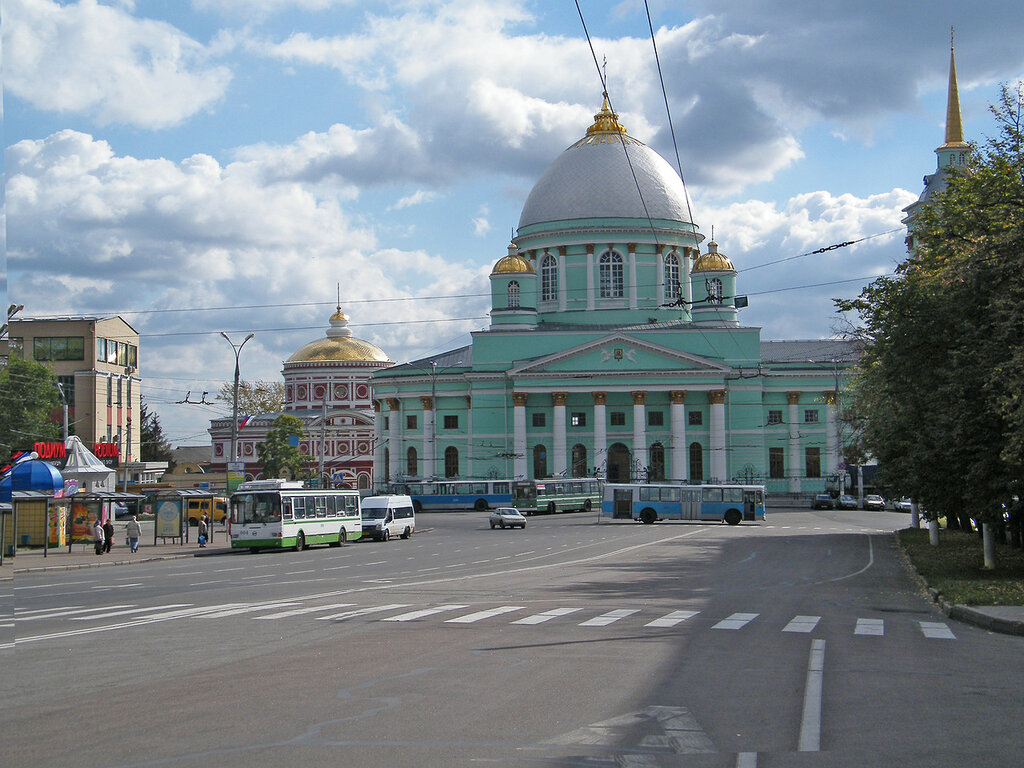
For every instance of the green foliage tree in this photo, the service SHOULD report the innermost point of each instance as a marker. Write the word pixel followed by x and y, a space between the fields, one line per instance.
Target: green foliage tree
pixel 155 446
pixel 277 454
pixel 254 397
pixel 943 367
pixel 28 400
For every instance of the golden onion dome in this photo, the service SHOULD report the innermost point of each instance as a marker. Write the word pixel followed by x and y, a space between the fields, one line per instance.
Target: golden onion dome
pixel 339 346
pixel 513 264
pixel 713 261
pixel 606 121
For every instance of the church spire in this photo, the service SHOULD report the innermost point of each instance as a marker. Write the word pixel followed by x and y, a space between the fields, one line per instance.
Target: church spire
pixel 954 126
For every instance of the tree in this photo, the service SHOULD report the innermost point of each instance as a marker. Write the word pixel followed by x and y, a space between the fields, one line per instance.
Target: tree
pixel 254 397
pixel 29 397
pixel 279 453
pixel 943 367
pixel 155 446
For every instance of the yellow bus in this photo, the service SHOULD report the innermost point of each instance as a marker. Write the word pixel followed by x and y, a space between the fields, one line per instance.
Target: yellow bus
pixel 215 509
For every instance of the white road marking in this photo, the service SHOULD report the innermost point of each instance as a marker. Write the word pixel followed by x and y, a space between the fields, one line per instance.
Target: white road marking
pixel 810 723
pixel 71 612
pixel 300 611
pixel 937 630
pixel 249 609
pixel 736 621
pixel 540 618
pixel 671 619
pixel 110 614
pixel 802 624
pixel 118 586
pixel 362 612
pixel 413 615
pixel 480 615
pixel 222 570
pixel 185 612
pixel 608 618
pixel 337 567
pixel 874 627
pixel 746 760
pixel 297 573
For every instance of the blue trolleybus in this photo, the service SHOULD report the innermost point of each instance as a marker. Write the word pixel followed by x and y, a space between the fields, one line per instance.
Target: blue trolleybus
pixel 430 495
pixel 650 502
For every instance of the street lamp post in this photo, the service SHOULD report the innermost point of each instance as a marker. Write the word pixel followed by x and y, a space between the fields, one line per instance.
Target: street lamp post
pixel 234 410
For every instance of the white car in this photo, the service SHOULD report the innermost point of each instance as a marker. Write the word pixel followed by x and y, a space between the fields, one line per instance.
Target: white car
pixel 507 517
pixel 903 505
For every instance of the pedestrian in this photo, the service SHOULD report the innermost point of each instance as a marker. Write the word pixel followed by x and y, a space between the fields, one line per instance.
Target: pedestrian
pixel 98 536
pixel 108 534
pixel 202 531
pixel 134 531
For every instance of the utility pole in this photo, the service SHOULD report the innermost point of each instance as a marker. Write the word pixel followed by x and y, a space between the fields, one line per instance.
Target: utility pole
pixel 237 348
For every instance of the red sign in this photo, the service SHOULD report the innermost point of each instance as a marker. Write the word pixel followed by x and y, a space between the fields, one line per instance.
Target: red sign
pixel 50 451
pixel 105 450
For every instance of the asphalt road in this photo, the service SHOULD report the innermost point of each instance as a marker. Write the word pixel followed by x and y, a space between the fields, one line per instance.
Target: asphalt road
pixel 799 642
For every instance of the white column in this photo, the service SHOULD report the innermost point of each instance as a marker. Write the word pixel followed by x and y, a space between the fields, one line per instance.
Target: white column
pixel 429 468
pixel 394 440
pixel 793 465
pixel 831 434
pixel 685 278
pixel 600 433
pixel 660 276
pixel 590 277
pixel 680 450
pixel 558 434
pixel 562 287
pixel 519 436
pixel 632 282
pixel 717 436
pixel 469 436
pixel 379 470
pixel 640 434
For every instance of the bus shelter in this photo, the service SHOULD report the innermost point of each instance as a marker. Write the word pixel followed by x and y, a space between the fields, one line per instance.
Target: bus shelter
pixel 171 507
pixel 83 509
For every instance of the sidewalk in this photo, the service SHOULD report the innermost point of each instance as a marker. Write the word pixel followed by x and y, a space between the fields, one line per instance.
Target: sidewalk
pixel 84 556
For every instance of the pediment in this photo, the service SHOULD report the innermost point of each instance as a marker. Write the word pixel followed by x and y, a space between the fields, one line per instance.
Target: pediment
pixel 619 353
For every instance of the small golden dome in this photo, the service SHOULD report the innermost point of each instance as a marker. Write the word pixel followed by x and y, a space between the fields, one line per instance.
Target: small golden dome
pixel 606 121
pixel 339 346
pixel 513 264
pixel 713 261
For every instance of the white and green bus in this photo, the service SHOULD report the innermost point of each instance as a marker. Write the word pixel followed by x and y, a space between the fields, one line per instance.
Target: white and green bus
pixel 534 497
pixel 283 513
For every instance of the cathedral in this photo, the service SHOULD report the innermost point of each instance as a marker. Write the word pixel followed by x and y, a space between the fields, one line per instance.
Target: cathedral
pixel 615 349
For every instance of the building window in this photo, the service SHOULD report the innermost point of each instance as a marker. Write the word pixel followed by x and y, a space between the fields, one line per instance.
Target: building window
pixel 549 278
pixel 617 418
pixel 774 417
pixel 110 392
pixel 714 288
pixel 811 416
pixel 540 461
pixel 655 418
pixel 578 419
pixel 610 275
pixel 579 460
pixel 812 461
pixel 58 348
pixel 672 288
pixel 539 420
pixel 410 421
pixel 411 465
pixel 101 350
pixel 386 469
pixel 387 423
pixel 695 418
pixel 120 392
pixel 656 468
pixel 451 461
pixel 776 463
pixel 696 463
pixel 451 421
pixel 513 295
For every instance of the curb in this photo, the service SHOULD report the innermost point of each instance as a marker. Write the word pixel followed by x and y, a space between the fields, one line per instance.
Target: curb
pixel 969 615
pixel 113 563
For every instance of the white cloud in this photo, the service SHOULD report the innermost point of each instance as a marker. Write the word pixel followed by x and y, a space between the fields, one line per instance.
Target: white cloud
pixel 481 222
pixel 418 197
pixel 99 61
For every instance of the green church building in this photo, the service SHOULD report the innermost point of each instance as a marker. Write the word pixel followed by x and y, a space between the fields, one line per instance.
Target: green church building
pixel 615 349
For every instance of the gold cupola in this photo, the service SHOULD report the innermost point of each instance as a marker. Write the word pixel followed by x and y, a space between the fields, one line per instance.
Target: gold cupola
pixel 339 346
pixel 513 263
pixel 713 261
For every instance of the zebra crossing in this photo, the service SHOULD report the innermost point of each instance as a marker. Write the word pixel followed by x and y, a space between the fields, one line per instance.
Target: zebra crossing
pixel 457 614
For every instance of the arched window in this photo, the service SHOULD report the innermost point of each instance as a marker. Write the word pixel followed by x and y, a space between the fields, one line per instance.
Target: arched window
pixel 579 460
pixel 540 461
pixel 386 473
pixel 513 294
pixel 672 288
pixel 714 286
pixel 610 274
pixel 411 465
pixel 451 461
pixel 549 278
pixel 656 459
pixel 696 463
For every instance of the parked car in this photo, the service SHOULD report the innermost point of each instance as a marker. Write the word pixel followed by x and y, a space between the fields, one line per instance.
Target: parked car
pixel 507 517
pixel 903 505
pixel 846 502
pixel 822 501
pixel 873 501
pixel 121 511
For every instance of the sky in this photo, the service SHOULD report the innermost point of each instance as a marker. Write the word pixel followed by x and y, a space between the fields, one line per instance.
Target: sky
pixel 201 166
